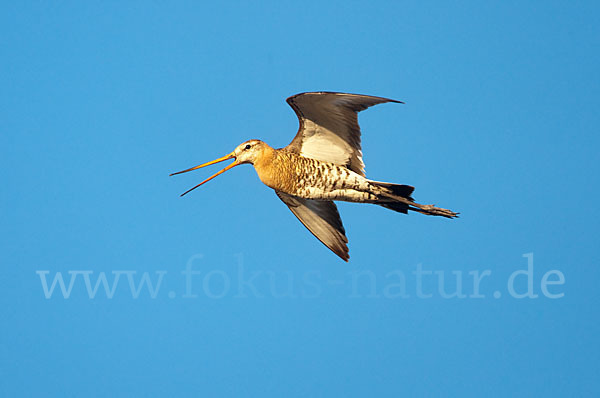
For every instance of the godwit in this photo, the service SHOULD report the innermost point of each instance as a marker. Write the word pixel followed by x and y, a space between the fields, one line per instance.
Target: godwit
pixel 323 163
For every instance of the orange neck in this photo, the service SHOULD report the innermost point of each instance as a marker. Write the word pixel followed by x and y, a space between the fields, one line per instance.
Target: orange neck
pixel 265 167
pixel 264 160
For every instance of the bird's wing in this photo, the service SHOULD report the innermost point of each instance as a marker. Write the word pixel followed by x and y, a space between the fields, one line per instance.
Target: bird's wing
pixel 329 129
pixel 322 220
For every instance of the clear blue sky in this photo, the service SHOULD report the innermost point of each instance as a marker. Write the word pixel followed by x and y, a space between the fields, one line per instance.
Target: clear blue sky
pixel 99 102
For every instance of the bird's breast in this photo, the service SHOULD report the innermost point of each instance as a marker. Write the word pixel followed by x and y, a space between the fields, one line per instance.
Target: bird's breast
pixel 278 172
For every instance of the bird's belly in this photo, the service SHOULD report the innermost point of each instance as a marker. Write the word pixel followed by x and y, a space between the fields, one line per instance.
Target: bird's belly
pixel 346 195
pixel 334 183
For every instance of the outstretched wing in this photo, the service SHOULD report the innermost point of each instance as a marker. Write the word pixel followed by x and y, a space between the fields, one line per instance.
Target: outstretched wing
pixel 322 220
pixel 329 129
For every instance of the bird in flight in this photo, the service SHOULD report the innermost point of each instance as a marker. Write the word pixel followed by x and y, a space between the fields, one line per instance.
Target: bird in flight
pixel 322 164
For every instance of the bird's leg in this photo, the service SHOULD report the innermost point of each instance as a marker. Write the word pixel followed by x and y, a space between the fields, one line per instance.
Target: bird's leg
pixel 431 210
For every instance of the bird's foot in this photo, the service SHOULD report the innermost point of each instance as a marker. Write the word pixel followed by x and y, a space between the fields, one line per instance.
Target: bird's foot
pixel 438 211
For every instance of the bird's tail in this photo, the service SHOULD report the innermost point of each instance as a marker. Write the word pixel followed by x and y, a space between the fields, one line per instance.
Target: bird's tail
pixel 397 197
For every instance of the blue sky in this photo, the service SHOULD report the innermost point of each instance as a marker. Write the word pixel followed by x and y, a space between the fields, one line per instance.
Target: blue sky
pixel 100 102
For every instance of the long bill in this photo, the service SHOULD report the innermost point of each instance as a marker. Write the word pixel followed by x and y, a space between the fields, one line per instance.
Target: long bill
pixel 221 159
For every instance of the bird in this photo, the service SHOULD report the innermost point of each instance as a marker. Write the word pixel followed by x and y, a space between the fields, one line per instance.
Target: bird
pixel 323 164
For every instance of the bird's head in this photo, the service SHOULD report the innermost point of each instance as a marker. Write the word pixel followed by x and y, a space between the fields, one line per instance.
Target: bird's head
pixel 249 151
pixel 246 152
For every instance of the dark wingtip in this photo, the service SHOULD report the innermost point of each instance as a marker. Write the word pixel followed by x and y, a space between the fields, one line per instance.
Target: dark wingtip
pixel 290 99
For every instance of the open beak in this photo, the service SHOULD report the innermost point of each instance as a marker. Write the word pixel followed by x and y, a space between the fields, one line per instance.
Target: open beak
pixel 222 159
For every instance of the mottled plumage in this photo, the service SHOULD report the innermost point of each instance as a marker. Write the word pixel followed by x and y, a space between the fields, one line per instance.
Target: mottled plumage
pixel 309 178
pixel 324 163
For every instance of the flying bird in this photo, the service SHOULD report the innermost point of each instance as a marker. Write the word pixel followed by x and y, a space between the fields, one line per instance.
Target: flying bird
pixel 322 164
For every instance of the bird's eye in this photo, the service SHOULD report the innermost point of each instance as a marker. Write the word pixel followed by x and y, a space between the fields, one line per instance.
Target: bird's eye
pixel 247 147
